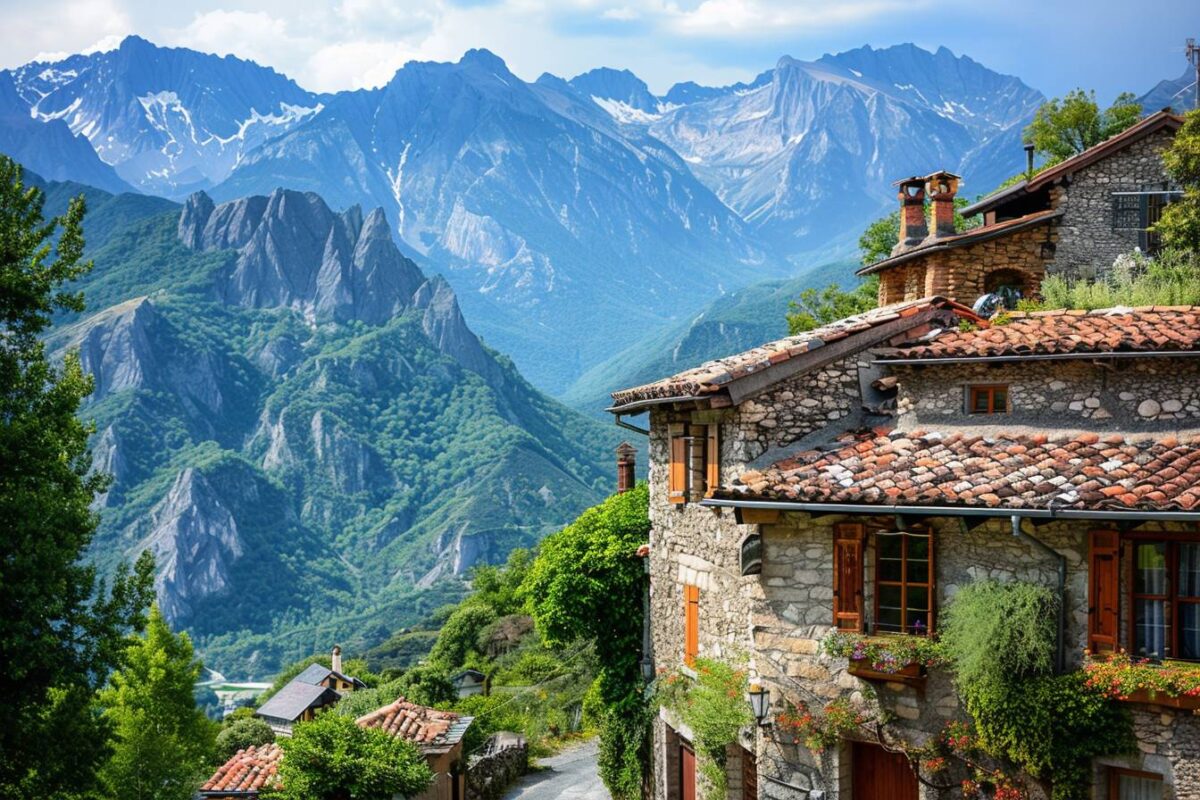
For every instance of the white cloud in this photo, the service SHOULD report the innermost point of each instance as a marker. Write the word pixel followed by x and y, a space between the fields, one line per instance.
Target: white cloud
pixel 45 30
pixel 255 35
pixel 740 17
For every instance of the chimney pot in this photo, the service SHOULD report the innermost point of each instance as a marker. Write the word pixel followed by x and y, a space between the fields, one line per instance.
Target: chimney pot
pixel 336 659
pixel 913 229
pixel 626 463
pixel 941 187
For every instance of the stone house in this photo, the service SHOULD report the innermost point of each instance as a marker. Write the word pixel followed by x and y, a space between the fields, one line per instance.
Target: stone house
pixel 437 734
pixel 1072 219
pixel 854 477
pixel 315 688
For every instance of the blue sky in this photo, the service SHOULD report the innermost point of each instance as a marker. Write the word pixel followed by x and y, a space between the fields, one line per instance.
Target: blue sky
pixel 328 45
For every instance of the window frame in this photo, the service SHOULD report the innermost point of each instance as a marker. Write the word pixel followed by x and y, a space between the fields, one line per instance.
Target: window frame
pixel 693 461
pixel 1171 600
pixel 1114 779
pixel 930 583
pixel 989 389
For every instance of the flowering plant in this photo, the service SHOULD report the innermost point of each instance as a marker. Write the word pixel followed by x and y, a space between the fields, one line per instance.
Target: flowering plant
pixel 819 732
pixel 887 654
pixel 1119 676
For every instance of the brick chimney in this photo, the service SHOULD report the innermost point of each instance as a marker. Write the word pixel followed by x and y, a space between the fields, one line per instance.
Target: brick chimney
pixel 913 229
pixel 337 659
pixel 626 461
pixel 941 187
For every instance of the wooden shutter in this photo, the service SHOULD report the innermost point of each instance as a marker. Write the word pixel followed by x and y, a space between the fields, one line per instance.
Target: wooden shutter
pixel 691 623
pixel 1103 590
pixel 712 461
pixel 848 577
pixel 677 471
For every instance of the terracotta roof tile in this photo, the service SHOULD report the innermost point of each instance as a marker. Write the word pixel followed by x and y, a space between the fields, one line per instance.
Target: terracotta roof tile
pixel 712 376
pixel 1002 471
pixel 1111 330
pixel 418 724
pixel 249 770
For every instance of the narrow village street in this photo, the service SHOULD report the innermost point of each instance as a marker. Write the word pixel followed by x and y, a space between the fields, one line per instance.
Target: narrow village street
pixel 570 775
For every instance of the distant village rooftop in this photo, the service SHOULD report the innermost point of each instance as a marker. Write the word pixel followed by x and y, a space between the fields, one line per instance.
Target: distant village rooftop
pixel 247 773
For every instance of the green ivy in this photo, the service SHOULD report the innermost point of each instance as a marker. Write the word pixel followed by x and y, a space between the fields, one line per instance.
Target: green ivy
pixel 714 707
pixel 1000 639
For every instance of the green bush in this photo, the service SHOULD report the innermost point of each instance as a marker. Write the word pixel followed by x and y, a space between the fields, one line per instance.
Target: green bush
pixel 1000 639
pixel 1171 278
pixel 240 734
pixel 459 637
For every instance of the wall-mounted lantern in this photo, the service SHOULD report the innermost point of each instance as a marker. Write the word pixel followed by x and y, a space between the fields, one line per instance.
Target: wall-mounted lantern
pixel 760 702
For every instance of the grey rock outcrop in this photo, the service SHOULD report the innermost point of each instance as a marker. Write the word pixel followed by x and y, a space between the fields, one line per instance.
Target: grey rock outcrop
pixel 195 541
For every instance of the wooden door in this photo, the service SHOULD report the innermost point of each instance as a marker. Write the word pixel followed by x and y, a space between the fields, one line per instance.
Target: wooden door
pixel 749 776
pixel 687 773
pixel 880 775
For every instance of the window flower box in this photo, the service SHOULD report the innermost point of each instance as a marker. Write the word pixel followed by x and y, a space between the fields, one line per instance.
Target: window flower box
pixel 888 659
pixel 1169 684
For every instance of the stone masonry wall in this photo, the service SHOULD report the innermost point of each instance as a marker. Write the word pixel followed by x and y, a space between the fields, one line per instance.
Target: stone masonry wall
pixel 962 273
pixel 1134 395
pixel 1087 243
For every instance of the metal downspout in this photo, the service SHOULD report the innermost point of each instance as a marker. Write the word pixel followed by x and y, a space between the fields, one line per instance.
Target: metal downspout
pixel 1060 657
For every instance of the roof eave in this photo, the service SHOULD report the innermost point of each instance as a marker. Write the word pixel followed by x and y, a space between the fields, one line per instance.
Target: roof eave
pixel 952 511
pixel 637 405
pixel 931 360
pixel 994 199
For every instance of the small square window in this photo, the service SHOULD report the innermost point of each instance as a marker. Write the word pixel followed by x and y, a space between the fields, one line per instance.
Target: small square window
pixel 987 400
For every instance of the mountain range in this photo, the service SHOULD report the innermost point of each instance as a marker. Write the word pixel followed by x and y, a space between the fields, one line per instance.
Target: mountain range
pixel 300 425
pixel 569 215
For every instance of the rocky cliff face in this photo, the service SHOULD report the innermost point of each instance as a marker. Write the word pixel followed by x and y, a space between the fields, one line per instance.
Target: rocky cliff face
pixel 291 412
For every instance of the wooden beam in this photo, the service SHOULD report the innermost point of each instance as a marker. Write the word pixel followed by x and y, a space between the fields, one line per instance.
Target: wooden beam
pixel 757 516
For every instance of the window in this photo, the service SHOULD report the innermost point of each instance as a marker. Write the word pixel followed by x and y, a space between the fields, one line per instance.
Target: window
pixel 691 623
pixel 1139 211
pixel 695 462
pixel 987 400
pixel 1165 607
pixel 903 583
pixel 1128 784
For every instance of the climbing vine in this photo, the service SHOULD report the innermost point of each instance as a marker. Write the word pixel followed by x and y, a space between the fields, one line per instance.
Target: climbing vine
pixel 713 705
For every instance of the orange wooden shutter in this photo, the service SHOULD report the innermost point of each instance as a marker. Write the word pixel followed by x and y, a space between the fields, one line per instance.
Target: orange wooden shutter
pixel 677 472
pixel 848 577
pixel 691 623
pixel 712 461
pixel 1103 590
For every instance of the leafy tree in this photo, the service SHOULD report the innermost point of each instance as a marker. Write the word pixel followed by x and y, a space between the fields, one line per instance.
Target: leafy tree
pixel 817 307
pixel 1180 224
pixel 586 584
pixel 163 741
pixel 459 637
pixel 498 586
pixel 61 630
pixel 427 685
pixel 1064 127
pixel 242 733
pixel 331 758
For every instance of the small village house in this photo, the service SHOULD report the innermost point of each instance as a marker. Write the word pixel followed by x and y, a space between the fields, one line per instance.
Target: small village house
pixel 853 478
pixel 438 735
pixel 315 688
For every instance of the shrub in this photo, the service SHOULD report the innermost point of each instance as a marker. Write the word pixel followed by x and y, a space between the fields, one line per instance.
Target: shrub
pixel 1171 278
pixel 240 734
pixel 997 632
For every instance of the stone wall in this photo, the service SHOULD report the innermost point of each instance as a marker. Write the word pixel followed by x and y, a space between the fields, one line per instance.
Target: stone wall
pixel 1132 395
pixel 962 273
pixel 1087 243
pixel 505 759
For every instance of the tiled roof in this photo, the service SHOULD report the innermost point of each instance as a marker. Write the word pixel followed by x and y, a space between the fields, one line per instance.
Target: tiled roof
pixel 1005 471
pixel 248 771
pixel 712 376
pixel 1113 330
pixel 418 724
pixel 981 234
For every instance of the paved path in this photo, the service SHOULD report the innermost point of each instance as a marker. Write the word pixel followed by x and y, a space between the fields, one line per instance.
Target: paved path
pixel 570 775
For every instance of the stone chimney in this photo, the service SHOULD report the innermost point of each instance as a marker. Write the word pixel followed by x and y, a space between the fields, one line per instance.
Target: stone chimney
pixel 941 187
pixel 913 229
pixel 626 461
pixel 337 659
